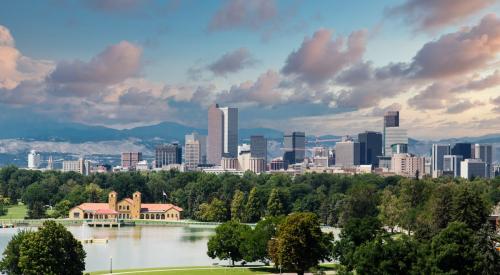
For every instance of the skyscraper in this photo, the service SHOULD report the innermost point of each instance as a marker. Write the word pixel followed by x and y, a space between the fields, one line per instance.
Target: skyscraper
pixel 462 149
pixel 437 155
pixel 451 165
pixel 168 154
pixel 347 153
pixel 258 147
pixel 33 160
pixel 484 152
pixel 473 168
pixel 393 134
pixel 370 147
pixel 391 119
pixel 222 133
pixel 295 146
pixel 194 151
pixel 130 159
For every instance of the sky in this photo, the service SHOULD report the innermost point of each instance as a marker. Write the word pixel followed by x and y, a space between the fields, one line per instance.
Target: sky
pixel 323 67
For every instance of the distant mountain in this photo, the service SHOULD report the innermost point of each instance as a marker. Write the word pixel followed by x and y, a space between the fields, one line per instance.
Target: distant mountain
pixel 39 128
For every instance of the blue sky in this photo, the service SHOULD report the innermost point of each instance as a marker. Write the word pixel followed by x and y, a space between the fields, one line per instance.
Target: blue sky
pixel 283 63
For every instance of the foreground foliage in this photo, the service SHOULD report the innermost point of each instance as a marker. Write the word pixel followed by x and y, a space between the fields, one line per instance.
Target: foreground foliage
pixel 50 250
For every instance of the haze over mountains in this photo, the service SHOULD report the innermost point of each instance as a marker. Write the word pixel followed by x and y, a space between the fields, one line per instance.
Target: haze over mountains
pixel 19 134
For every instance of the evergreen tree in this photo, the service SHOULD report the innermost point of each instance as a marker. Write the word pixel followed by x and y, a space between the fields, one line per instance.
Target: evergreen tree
pixel 274 204
pixel 469 207
pixel 237 206
pixel 252 209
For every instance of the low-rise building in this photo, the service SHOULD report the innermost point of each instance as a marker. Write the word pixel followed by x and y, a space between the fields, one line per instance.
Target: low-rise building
pixel 128 208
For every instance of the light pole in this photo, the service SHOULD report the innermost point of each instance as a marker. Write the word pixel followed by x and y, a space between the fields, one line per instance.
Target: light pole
pixel 110 265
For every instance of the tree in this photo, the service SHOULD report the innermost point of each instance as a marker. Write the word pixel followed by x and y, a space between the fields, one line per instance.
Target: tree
pixel 10 261
pixel 355 233
pixel 300 244
pixel 51 250
pixel 93 192
pixel 215 211
pixel 237 206
pixel 62 209
pixel 385 255
pixel 252 209
pixel 275 205
pixel 361 201
pixel 36 198
pixel 487 257
pixel 452 250
pixel 390 209
pixel 255 246
pixel 227 241
pixel 469 207
pixel 441 206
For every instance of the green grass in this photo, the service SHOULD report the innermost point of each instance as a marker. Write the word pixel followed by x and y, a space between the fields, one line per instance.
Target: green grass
pixel 202 270
pixel 15 212
pixel 199 270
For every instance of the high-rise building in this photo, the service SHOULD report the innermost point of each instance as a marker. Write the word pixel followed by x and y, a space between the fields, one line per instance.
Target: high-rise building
pixel 391 119
pixel 394 135
pixel 33 160
pixel 295 146
pixel 399 148
pixel 484 152
pixel 194 151
pixel 437 154
pixel 462 149
pixel 258 147
pixel 81 166
pixel 222 133
pixel 473 168
pixel 407 165
pixel 50 163
pixel 168 154
pixel 370 147
pixel 451 165
pixel 347 153
pixel 130 159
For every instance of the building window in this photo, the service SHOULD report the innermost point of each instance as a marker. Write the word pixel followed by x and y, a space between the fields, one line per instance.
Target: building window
pixel 157 216
pixel 127 207
pixel 120 207
pixel 162 216
pixel 76 215
pixel 142 216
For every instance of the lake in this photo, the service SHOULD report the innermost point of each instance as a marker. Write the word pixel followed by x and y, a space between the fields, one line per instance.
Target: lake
pixel 139 246
pixel 142 246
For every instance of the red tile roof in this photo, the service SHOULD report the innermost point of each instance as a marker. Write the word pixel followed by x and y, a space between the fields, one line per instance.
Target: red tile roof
pixel 97 208
pixel 158 207
pixel 129 200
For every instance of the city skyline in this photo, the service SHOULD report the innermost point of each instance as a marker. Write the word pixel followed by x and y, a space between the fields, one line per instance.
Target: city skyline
pixel 289 66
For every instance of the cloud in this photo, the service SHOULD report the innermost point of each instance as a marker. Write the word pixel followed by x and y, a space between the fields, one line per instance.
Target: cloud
pixel 431 14
pixel 114 5
pixel 321 57
pixel 484 83
pixel 496 103
pixel 433 97
pixel 264 92
pixel 113 65
pixel 460 52
pixel 232 62
pixel 252 15
pixel 16 68
pixel 462 106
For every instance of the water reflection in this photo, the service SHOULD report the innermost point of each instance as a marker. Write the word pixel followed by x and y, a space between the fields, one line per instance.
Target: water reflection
pixel 139 246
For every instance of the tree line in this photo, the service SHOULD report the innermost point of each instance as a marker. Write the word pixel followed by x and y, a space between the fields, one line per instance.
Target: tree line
pixel 220 198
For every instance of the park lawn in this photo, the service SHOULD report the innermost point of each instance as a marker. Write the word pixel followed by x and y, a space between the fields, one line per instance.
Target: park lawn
pixel 15 212
pixel 203 270
pixel 199 270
